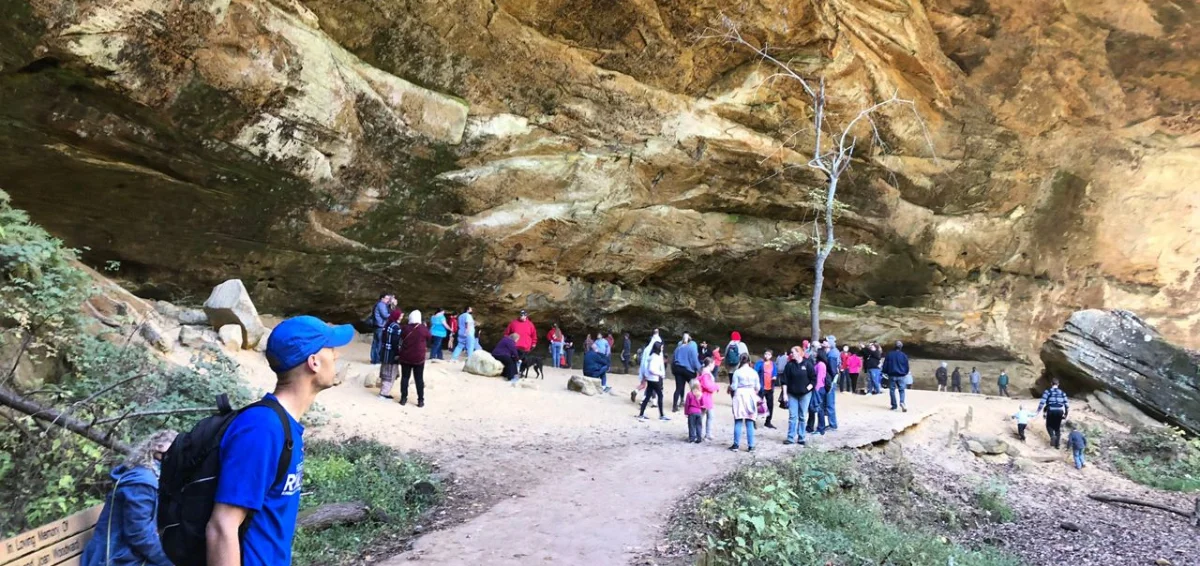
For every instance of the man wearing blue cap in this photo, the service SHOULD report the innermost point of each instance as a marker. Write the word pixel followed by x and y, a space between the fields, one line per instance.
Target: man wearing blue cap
pixel 301 353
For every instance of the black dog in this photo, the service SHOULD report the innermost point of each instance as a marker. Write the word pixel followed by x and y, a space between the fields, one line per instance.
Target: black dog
pixel 528 361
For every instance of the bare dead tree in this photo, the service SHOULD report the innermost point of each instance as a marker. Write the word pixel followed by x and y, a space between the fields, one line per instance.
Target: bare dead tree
pixel 832 153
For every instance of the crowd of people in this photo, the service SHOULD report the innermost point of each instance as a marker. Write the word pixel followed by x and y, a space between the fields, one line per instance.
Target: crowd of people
pixel 250 516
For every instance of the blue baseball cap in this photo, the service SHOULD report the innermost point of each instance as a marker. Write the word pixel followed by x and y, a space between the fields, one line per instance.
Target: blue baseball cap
pixel 295 339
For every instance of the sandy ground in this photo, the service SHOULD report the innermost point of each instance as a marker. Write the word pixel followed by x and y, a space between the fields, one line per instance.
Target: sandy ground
pixel 548 476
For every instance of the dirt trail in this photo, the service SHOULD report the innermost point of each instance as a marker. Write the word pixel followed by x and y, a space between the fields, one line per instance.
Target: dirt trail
pixel 558 477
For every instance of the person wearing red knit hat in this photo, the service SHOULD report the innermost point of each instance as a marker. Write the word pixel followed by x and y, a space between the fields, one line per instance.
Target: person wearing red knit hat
pixel 735 350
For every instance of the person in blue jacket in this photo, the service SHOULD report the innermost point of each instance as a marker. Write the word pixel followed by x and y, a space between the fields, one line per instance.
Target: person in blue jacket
pixel 126 532
pixel 596 363
pixel 833 360
pixel 895 366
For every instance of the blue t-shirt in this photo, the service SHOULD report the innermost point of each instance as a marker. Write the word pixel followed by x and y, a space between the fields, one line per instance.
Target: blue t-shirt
pixel 249 460
pixel 437 326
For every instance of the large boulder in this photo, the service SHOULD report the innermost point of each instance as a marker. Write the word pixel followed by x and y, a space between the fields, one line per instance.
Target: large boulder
pixel 181 315
pixel 198 337
pixel 986 444
pixel 1115 351
pixel 482 363
pixel 1120 410
pixel 229 303
pixel 589 386
pixel 231 336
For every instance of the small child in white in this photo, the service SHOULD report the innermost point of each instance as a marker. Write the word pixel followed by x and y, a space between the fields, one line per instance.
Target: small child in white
pixel 1023 417
pixel 1077 442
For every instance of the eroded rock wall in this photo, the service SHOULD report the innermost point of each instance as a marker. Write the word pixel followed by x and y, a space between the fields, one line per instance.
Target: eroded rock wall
pixel 614 163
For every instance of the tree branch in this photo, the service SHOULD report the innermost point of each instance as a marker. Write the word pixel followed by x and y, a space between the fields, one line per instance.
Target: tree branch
pixel 93 396
pixel 16 401
pixel 164 412
pixel 1151 504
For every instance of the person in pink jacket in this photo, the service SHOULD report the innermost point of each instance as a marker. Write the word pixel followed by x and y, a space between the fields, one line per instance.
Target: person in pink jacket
pixel 708 386
pixel 854 365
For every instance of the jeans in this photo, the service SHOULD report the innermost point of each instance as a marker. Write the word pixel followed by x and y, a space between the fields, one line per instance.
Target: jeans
pixel 1078 452
pixel 1003 390
pixel 556 354
pixel 737 432
pixel 797 416
pixel 376 345
pixel 708 423
pixel 653 388
pixel 876 380
pixel 975 388
pixel 436 351
pixel 465 344
pixel 1021 431
pixel 896 382
pixel 694 428
pixel 831 408
pixel 815 422
pixel 417 371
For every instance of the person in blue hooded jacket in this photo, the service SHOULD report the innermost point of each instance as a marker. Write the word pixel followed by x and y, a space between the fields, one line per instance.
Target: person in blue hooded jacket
pixel 126 532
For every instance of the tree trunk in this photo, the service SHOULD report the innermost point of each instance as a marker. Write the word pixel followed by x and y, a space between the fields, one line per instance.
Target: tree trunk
pixel 332 514
pixel 16 401
pixel 823 251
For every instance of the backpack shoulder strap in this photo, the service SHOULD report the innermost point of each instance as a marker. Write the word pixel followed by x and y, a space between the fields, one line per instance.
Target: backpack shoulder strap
pixel 285 457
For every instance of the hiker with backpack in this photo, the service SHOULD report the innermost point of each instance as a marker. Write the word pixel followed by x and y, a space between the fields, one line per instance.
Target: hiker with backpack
pixel 243 469
pixel 126 532
pixel 1055 403
pixel 734 352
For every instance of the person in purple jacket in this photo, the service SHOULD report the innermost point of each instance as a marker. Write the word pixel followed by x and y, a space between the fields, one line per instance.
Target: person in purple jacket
pixel 506 353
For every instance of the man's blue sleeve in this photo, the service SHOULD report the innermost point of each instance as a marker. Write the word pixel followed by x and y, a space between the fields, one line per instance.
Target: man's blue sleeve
pixel 249 458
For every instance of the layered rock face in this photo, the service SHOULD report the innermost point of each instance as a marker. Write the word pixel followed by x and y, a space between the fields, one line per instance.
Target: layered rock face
pixel 1118 353
pixel 613 163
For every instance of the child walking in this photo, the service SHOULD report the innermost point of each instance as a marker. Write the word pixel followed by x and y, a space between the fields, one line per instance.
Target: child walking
pixel 1077 442
pixel 708 386
pixel 691 408
pixel 1023 417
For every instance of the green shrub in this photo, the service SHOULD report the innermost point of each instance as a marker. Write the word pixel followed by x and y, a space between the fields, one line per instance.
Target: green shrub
pixel 367 471
pixel 1160 457
pixel 807 511
pixel 992 497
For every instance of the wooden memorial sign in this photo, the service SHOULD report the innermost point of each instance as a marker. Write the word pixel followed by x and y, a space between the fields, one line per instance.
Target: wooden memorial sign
pixel 57 543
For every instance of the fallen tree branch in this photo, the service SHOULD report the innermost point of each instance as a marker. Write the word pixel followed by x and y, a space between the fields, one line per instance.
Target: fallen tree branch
pixel 164 412
pixel 332 514
pixel 17 402
pixel 97 394
pixel 1129 501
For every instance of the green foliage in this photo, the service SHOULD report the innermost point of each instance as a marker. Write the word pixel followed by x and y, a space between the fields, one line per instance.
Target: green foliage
pixel 359 470
pixel 45 471
pixel 808 511
pixel 992 497
pixel 1160 457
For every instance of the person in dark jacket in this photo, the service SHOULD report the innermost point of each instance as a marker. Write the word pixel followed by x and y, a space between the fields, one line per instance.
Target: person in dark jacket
pixel 626 352
pixel 871 359
pixel 411 356
pixel 685 365
pixel 895 366
pixel 595 364
pixel 940 376
pixel 798 378
pixel 1057 406
pixel 956 380
pixel 506 353
pixel 126 532
pixel 379 316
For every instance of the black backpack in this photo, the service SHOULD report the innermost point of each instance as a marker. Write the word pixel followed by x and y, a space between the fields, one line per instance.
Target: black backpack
pixel 187 487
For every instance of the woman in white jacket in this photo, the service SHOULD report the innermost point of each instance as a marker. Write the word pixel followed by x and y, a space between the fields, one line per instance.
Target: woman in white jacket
pixel 744 388
pixel 653 372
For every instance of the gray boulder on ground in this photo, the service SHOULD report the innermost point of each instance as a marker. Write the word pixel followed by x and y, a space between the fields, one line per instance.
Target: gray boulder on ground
pixel 1116 352
pixel 986 444
pixel 231 336
pixel 482 363
pixel 152 333
pixel 229 303
pixel 589 386
pixel 184 316
pixel 1119 410
pixel 198 337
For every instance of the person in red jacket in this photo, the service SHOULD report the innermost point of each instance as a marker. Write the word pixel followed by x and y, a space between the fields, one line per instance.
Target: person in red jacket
pixel 413 337
pixel 523 327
